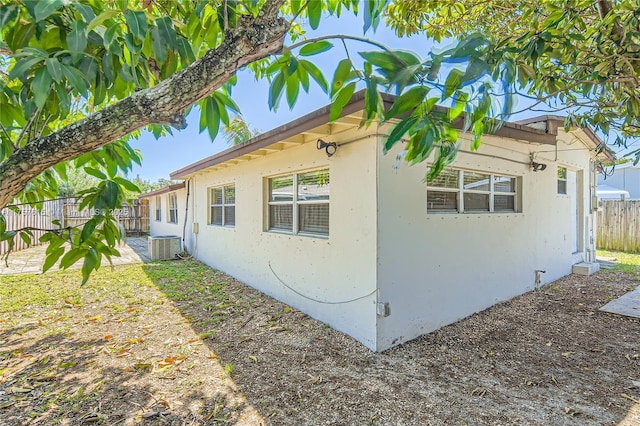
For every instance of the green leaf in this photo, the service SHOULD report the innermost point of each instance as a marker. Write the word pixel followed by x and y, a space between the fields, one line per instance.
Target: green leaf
pixel 76 78
pixel 459 103
pixel 7 235
pixel 45 8
pixel 22 67
pixel 51 258
pixel 87 230
pixel 167 32
pixel 314 11
pixel 98 20
pixel 41 86
pixel 213 118
pixel 159 46
pixel 54 69
pixel 137 23
pixel 111 194
pixel 315 73
pixel 8 13
pixel 453 83
pixel 407 101
pixel 95 172
pixel 185 51
pixel 85 11
pixel 315 48
pixel 227 101
pixel 26 237
pixel 77 38
pixel 341 100
pixel 72 256
pixel 341 75
pixel 293 89
pixel 384 60
pixel 128 185
pixel 91 262
pixel 398 131
pixel 275 91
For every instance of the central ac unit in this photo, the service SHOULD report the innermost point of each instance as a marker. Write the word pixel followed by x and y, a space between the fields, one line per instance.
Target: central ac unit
pixel 163 247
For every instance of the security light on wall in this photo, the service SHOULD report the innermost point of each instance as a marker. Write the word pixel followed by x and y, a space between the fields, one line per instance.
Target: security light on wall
pixel 538 167
pixel 329 147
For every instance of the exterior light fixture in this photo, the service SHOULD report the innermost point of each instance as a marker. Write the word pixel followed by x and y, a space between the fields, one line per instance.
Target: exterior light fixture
pixel 538 167
pixel 329 147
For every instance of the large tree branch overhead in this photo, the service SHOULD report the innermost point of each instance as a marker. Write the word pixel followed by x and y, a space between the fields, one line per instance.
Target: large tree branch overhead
pixel 164 103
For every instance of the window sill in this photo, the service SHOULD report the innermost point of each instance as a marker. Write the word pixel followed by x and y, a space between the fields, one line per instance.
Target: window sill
pixel 299 234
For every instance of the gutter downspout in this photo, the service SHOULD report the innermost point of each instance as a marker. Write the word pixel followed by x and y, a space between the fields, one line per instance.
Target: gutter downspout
pixel 186 215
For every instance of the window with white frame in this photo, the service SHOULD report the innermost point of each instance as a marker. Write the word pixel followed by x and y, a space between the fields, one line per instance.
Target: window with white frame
pixel 158 206
pixel 299 203
pixel 222 205
pixel 562 180
pixel 172 217
pixel 461 191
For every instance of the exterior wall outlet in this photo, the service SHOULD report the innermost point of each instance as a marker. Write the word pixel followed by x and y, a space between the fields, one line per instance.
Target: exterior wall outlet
pixel 196 227
pixel 383 309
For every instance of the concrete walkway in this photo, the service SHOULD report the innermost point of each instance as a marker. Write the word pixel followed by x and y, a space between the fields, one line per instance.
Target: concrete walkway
pixel 29 261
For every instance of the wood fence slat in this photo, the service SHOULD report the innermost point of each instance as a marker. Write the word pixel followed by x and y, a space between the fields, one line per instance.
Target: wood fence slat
pixel 134 219
pixel 618 225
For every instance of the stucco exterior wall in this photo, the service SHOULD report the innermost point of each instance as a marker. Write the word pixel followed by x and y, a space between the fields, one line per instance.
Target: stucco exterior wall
pixel 434 269
pixel 163 226
pixel 334 269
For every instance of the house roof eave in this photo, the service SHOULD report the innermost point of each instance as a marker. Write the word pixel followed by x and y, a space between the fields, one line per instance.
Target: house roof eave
pixel 170 188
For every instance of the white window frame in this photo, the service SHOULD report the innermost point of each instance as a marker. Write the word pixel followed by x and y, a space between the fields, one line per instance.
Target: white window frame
pixel 562 180
pixel 460 191
pixel 225 203
pixel 295 225
pixel 158 208
pixel 172 207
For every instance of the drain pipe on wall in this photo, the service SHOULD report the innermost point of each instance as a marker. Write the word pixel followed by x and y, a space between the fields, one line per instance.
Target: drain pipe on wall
pixel 186 215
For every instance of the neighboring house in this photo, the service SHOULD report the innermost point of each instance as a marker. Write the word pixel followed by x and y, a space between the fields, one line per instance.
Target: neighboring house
pixel 607 192
pixel 359 241
pixel 625 177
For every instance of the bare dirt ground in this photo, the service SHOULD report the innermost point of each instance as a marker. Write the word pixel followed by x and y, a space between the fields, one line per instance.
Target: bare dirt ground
pixel 179 344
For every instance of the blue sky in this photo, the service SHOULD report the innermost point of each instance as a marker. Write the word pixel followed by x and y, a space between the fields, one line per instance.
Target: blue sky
pixel 162 156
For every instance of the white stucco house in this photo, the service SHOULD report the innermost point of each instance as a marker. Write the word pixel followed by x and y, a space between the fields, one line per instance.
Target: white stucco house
pixel 625 177
pixel 359 241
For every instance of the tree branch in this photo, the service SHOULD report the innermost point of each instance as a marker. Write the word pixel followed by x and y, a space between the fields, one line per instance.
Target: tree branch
pixel 165 103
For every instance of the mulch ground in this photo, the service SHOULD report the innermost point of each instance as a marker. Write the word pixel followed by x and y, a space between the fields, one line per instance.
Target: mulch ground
pixel 217 352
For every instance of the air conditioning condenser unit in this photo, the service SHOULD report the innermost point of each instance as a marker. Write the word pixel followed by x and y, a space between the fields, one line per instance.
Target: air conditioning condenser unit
pixel 163 247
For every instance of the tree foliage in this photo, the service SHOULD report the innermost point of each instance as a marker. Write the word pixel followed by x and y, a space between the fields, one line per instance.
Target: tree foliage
pixel 80 78
pixel 582 57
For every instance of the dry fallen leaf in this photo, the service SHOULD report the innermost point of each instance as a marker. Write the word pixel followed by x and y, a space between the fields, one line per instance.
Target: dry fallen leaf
pixel 212 356
pixel 108 336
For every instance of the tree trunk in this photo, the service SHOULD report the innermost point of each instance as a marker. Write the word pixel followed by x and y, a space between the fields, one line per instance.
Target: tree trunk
pixel 164 103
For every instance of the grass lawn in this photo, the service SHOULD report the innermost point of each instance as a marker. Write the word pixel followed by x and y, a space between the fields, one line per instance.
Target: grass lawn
pixel 626 262
pixel 179 343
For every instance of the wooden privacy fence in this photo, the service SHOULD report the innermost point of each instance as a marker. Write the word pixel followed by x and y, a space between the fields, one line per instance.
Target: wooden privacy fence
pixel 31 215
pixel 134 218
pixel 619 225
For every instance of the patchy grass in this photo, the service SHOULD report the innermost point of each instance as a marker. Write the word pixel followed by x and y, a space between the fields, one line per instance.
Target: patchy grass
pixel 117 349
pixel 624 262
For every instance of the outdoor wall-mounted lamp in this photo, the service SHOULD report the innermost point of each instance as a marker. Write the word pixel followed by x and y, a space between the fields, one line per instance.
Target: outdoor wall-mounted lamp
pixel 538 167
pixel 329 147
